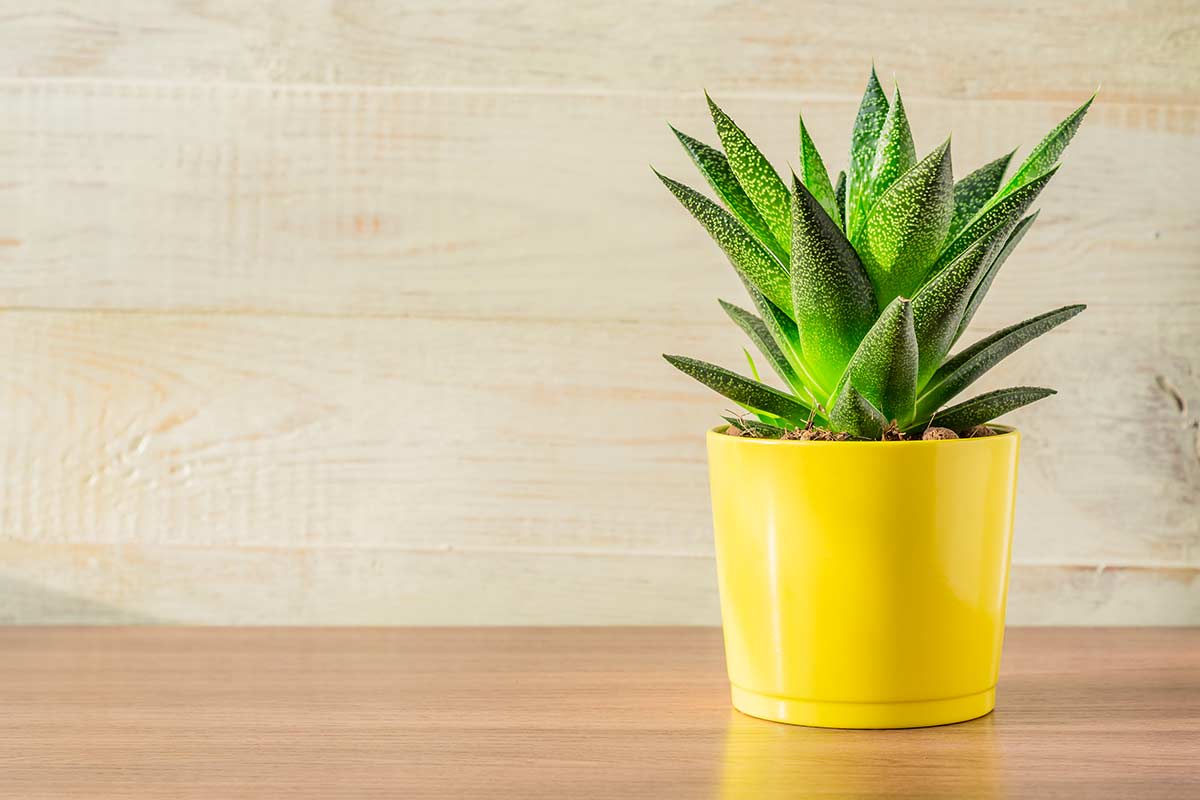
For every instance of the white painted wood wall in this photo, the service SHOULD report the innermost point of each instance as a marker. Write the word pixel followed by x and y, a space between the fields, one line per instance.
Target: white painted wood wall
pixel 321 312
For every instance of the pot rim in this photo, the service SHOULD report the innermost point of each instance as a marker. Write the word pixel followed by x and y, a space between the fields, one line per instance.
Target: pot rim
pixel 1005 431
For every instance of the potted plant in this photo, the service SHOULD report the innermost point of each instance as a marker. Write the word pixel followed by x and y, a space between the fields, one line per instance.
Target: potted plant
pixel 863 529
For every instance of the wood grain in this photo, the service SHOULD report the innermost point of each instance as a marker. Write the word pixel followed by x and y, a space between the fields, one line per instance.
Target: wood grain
pixel 143 428
pixel 352 312
pixel 473 204
pixel 1143 52
pixel 585 713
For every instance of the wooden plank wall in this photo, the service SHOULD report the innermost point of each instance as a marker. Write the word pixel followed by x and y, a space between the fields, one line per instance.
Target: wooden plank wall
pixel 351 312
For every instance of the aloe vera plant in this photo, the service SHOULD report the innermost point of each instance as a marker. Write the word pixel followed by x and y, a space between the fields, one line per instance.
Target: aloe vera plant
pixel 863 285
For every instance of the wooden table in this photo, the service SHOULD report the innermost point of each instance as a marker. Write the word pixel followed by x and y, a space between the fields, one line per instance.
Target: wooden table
pixel 558 713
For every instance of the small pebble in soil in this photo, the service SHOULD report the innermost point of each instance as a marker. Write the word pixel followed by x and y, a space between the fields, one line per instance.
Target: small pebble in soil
pixel 978 431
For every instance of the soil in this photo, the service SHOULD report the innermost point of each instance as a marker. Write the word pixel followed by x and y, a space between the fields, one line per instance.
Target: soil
pixel 891 433
pixel 815 434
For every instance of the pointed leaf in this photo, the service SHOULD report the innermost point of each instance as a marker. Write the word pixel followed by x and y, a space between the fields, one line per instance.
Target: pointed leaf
pixel 939 306
pixel 755 174
pixel 895 155
pixel 907 225
pixel 761 429
pixel 752 261
pixel 751 394
pixel 839 193
pixel 986 407
pixel 854 414
pixel 715 168
pixel 750 363
pixel 973 192
pixel 833 299
pixel 1046 154
pixel 814 175
pixel 782 327
pixel 871 114
pixel 997 213
pixel 961 371
pixel 756 329
pixel 884 368
pixel 985 283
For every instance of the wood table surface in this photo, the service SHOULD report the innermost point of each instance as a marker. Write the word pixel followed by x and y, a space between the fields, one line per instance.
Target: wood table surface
pixel 559 713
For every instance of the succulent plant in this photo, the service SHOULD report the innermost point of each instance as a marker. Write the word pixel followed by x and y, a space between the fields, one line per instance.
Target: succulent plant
pixel 863 285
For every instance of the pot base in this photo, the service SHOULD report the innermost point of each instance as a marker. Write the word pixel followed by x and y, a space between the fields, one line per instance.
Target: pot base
pixel 822 714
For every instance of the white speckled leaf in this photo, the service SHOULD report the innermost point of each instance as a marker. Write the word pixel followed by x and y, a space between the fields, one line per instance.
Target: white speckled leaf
pixel 884 367
pixel 986 407
pixel 839 193
pixel 755 174
pixel 1047 153
pixel 833 299
pixel 757 330
pixel 872 112
pixel 819 258
pixel 938 307
pixel 985 283
pixel 814 175
pixel 854 414
pixel 743 391
pixel 975 190
pixel 895 155
pixel 752 261
pixel 907 225
pixel 965 368
pixel 1005 212
pixel 715 168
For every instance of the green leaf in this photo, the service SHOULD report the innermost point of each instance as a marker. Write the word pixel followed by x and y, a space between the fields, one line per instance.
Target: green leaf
pixel 814 175
pixel 751 364
pixel 907 225
pixel 755 174
pixel 761 429
pixel 867 125
pixel 751 394
pixel 1046 154
pixel 781 326
pixel 939 306
pixel 715 168
pixel 787 336
pixel 833 300
pixel 757 330
pixel 751 260
pixel 996 214
pixel 839 193
pixel 973 192
pixel 961 371
pixel 895 155
pixel 986 407
pixel 985 283
pixel 884 368
pixel 854 414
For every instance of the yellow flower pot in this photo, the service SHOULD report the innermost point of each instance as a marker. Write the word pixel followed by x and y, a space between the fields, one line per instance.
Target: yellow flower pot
pixel 863 584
